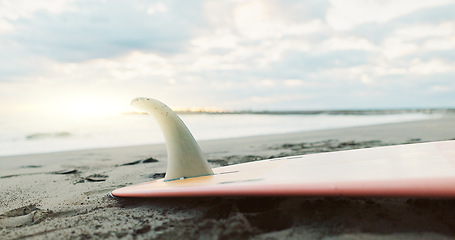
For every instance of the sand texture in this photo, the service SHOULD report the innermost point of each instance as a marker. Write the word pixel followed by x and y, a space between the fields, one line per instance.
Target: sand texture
pixel 65 195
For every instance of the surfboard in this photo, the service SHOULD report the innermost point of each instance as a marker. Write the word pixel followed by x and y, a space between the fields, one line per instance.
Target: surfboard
pixel 419 170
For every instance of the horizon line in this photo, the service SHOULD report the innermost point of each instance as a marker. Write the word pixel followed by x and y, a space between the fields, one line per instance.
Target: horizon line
pixel 314 112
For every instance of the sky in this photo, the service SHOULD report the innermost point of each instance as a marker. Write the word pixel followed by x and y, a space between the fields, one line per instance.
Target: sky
pixel 75 57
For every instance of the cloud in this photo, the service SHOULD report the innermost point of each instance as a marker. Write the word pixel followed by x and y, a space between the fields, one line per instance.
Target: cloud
pixel 106 29
pixel 433 66
pixel 158 7
pixel 345 15
pixel 435 14
pixel 11 11
pixel 231 54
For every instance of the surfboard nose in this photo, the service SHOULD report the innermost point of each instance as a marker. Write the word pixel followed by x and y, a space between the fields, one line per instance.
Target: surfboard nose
pixel 185 157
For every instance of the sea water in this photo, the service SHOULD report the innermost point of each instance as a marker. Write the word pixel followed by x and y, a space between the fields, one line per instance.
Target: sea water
pixel 28 136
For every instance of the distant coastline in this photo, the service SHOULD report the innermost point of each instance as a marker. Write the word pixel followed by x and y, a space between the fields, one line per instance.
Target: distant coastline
pixel 315 112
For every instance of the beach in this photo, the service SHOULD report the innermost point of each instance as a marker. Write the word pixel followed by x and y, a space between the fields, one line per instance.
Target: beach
pixel 65 195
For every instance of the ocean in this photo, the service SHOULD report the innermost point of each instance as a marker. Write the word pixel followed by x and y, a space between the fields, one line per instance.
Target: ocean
pixel 27 136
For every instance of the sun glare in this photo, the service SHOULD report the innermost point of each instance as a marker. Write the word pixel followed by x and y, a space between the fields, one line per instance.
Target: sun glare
pixel 88 108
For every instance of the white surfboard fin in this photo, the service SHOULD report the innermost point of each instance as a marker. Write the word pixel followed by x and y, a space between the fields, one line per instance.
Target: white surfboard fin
pixel 185 158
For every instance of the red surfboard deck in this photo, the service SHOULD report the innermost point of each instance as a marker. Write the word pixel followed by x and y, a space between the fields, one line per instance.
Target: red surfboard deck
pixel 420 170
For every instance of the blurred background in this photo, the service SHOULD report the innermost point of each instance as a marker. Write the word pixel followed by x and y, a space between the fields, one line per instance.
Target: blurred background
pixel 69 68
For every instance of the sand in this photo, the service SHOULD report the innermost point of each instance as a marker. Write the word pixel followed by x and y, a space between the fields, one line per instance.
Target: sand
pixel 64 195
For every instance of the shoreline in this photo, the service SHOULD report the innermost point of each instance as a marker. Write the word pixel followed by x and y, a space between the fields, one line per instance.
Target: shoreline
pixel 311 135
pixel 204 128
pixel 413 131
pixel 65 194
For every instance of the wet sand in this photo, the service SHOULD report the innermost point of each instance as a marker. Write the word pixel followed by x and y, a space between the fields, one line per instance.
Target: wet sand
pixel 64 195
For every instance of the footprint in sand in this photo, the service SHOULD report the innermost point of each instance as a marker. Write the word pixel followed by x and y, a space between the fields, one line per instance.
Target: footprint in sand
pixel 97 178
pixel 155 175
pixel 92 178
pixel 66 171
pixel 22 216
pixel 147 160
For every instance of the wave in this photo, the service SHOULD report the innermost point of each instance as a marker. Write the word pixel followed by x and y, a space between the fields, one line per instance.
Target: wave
pixel 36 136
